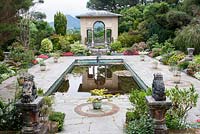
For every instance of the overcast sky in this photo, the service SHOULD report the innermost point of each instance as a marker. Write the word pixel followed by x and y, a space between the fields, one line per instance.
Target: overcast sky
pixel 71 7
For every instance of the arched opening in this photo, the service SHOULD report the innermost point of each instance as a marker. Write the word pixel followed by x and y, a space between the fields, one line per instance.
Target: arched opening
pixel 99 32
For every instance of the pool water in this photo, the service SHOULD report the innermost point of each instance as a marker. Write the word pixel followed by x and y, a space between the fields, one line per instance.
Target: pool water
pixel 81 79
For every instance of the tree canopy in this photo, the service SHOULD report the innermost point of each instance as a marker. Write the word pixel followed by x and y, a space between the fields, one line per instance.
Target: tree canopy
pixel 60 23
pixel 111 5
pixel 10 11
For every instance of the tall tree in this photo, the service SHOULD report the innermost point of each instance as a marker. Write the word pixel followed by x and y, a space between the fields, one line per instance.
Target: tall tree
pixel 10 14
pixel 111 5
pixel 60 23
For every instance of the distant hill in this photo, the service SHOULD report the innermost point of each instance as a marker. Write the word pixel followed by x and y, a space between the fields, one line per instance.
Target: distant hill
pixel 72 22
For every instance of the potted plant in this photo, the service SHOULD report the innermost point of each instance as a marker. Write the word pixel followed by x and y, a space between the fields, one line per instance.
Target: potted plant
pixel 154 64
pixel 177 75
pixel 42 65
pixel 97 96
pixel 56 56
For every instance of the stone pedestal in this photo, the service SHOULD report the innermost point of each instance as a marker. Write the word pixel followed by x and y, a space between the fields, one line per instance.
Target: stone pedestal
pixel 30 113
pixel 157 112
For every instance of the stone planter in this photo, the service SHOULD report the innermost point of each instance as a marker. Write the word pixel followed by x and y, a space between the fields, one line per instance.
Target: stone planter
pixel 155 65
pixel 97 105
pixel 142 58
pixel 42 67
pixel 55 59
pixel 177 76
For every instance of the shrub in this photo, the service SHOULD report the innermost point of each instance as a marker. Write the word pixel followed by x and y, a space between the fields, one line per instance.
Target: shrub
pixel 5 72
pixel 116 46
pixel 58 117
pixel 19 54
pixel 182 101
pixel 78 49
pixel 46 46
pixel 64 43
pixel 55 42
pixel 189 36
pixel 141 126
pixel 137 98
pixel 183 65
pixel 174 60
pixel 138 120
pixel 10 117
pixel 156 52
pixel 128 39
pixel 165 57
pixel 152 40
pixel 193 68
pixel 197 59
pixel 167 47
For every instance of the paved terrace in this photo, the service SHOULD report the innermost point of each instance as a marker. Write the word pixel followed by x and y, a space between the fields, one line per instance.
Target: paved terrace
pixel 75 123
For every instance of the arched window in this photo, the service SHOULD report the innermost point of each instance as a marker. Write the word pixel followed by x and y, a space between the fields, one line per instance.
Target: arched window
pixel 99 32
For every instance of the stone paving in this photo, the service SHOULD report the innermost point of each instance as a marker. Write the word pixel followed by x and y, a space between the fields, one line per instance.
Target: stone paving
pixel 75 123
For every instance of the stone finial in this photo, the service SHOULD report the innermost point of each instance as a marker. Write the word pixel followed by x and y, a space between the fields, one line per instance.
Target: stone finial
pixel 29 90
pixel 158 88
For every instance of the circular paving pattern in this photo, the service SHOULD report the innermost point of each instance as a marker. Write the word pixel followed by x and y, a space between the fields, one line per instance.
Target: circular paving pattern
pixel 86 109
pixel 182 83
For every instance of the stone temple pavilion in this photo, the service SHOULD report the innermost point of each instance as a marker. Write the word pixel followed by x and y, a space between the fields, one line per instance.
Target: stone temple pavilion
pixel 98 28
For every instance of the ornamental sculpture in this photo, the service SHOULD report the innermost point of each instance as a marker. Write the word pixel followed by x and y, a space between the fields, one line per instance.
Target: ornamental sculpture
pixel 29 90
pixel 158 88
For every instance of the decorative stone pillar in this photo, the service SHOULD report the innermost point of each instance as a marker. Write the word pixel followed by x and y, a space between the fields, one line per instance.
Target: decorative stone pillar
pixel 105 37
pixel 92 37
pixel 30 114
pixel 158 105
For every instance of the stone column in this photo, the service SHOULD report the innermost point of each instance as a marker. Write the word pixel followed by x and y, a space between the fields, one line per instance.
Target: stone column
pixel 92 37
pixel 30 113
pixel 105 36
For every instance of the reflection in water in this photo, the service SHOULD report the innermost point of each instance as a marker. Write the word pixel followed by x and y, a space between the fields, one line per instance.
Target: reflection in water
pixel 82 79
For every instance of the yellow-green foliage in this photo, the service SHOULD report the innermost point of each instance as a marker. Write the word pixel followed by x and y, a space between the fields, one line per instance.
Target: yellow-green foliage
pixel 176 58
pixel 46 46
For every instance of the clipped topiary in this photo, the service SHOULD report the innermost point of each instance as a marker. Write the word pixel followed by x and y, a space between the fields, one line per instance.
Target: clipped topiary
pixel 46 46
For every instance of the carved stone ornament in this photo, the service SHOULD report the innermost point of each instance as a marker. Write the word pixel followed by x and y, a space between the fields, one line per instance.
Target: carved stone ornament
pixel 158 88
pixel 29 90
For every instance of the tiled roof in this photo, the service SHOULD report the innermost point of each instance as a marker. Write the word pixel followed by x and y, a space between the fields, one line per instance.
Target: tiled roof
pixel 98 13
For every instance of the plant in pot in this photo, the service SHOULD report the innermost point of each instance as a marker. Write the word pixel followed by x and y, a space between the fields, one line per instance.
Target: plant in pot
pixel 42 65
pixel 56 56
pixel 97 96
pixel 154 64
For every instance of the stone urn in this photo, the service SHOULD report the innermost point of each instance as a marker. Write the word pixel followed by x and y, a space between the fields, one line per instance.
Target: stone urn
pixel 97 105
pixel 142 57
pixel 190 52
pixel 154 64
pixel 176 76
pixel 55 59
pixel 42 67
